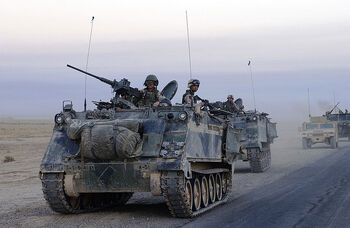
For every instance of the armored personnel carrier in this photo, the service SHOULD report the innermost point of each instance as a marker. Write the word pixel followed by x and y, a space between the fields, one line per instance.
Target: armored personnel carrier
pixel 257 132
pixel 98 159
pixel 343 121
pixel 319 130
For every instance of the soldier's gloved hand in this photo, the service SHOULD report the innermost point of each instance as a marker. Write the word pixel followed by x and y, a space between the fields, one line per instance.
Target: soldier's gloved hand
pixel 155 104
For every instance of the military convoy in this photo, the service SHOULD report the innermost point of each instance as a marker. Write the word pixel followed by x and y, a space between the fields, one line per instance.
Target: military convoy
pixel 98 159
pixel 319 130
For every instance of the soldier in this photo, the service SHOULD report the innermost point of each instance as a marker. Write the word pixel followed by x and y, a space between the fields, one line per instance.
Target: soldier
pixel 151 96
pixel 188 97
pixel 229 105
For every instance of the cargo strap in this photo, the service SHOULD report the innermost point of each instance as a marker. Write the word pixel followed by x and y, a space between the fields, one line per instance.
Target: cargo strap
pixel 91 125
pixel 115 127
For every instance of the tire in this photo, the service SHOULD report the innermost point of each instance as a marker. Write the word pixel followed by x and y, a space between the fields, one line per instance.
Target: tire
pixel 333 142
pixel 259 161
pixel 304 143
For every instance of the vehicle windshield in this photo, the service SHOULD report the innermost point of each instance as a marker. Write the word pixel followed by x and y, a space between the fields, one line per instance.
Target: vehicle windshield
pixel 326 125
pixel 311 126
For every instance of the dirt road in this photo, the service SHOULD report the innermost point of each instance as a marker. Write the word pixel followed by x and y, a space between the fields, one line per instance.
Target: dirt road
pixel 294 172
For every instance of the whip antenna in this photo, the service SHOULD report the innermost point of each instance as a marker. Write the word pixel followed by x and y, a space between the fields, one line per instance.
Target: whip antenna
pixel 189 47
pixel 87 59
pixel 251 78
pixel 308 101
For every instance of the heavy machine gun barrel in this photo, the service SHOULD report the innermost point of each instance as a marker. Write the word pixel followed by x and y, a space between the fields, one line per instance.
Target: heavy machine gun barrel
pixel 333 108
pixel 105 80
pixel 120 87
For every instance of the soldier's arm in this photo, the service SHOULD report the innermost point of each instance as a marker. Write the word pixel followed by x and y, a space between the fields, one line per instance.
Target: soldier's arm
pixel 160 96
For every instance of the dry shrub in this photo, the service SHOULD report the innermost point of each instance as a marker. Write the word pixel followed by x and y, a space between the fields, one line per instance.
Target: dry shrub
pixel 8 159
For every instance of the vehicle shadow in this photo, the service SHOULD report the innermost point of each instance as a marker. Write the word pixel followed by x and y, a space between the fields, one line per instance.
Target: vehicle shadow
pixel 243 170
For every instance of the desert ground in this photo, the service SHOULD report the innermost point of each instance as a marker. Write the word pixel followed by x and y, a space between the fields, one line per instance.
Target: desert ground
pixel 22 203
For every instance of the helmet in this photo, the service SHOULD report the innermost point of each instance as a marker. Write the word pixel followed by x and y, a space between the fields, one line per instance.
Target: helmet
pixel 153 78
pixel 230 96
pixel 192 82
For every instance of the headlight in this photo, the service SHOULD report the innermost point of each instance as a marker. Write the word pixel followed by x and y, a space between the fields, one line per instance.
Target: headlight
pixel 255 118
pixel 59 119
pixel 183 116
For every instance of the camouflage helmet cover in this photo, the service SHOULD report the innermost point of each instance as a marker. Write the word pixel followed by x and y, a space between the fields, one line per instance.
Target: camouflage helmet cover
pixel 230 96
pixel 153 78
pixel 192 82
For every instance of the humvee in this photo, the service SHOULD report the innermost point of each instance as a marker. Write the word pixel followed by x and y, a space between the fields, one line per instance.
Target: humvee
pixel 319 130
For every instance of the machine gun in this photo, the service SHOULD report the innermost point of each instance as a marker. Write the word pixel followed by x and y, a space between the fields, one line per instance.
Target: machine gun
pixel 119 87
pixel 330 112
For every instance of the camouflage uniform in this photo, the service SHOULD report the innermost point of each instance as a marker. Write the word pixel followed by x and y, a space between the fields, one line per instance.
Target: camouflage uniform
pixel 189 95
pixel 230 106
pixel 150 97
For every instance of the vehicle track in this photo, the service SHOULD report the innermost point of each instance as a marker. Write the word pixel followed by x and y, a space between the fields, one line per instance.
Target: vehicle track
pixel 314 196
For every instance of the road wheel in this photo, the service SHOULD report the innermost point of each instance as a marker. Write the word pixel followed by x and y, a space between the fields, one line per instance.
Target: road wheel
pixel 333 143
pixel 205 192
pixel 224 182
pixel 218 186
pixel 211 184
pixel 305 144
pixel 197 196
pixel 189 193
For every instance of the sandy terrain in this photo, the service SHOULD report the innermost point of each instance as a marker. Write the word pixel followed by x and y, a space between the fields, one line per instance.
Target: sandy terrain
pixel 22 203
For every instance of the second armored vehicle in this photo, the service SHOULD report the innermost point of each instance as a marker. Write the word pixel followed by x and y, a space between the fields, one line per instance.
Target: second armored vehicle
pixel 257 133
pixel 319 130
pixel 343 122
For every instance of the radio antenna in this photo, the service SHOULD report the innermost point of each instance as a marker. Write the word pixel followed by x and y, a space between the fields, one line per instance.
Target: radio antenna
pixel 189 47
pixel 251 78
pixel 87 59
pixel 308 101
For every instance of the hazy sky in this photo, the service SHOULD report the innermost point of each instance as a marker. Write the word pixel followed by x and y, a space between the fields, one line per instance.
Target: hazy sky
pixel 294 45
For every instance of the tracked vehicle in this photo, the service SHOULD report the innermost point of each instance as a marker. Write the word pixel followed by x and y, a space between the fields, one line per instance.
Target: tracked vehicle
pixel 343 122
pixel 257 133
pixel 98 159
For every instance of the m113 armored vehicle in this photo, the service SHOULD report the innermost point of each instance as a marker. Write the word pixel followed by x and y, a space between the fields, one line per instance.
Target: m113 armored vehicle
pixel 257 132
pixel 343 121
pixel 98 159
